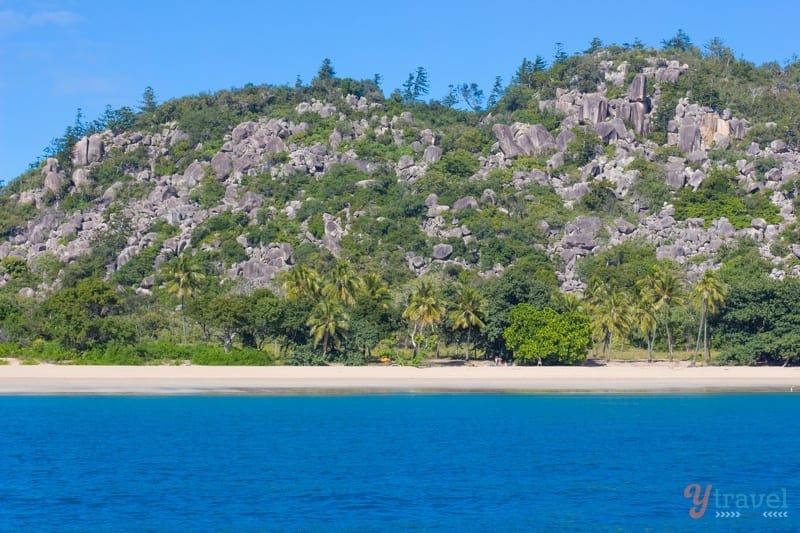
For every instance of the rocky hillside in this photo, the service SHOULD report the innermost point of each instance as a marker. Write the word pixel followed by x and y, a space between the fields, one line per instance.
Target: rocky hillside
pixel 259 180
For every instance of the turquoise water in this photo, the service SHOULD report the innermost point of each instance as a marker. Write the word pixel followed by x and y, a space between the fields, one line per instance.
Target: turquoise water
pixel 397 462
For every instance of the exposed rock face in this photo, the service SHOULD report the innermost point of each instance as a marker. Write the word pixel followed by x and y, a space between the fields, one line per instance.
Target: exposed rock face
pixel 689 138
pixel 54 180
pixel 523 139
pixel 222 165
pixel 275 148
pixel 637 91
pixel 595 108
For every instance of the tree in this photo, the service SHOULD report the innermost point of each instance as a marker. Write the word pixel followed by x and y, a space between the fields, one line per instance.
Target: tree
pixel 610 309
pixel 467 311
pixel 760 322
pixel 148 103
pixel 470 94
pixel 665 289
pixel 302 282
pixel 530 74
pixel 341 284
pixel 425 308
pixel 560 55
pixel 546 336
pixel 595 45
pixel 707 296
pixel 264 316
pixel 416 86
pixel 372 317
pixel 497 92
pixel 182 278
pixel 78 317
pixel 680 42
pixel 230 315
pixel 326 71
pixel 375 290
pixel 643 314
pixel 328 322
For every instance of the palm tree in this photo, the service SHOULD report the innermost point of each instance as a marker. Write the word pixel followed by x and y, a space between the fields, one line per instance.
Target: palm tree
pixel 643 313
pixel 610 309
pixel 425 308
pixel 301 282
pixel 568 302
pixel 341 284
pixel 468 310
pixel 707 295
pixel 375 289
pixel 665 289
pixel 328 322
pixel 183 278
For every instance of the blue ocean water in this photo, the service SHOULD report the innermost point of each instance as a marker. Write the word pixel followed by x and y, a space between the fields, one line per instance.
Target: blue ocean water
pixel 398 462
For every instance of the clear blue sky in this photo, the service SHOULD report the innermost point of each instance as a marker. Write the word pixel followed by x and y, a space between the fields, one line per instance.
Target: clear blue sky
pixel 58 56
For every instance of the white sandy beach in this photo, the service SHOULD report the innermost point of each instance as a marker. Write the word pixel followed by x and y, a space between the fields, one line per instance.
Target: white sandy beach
pixel 614 377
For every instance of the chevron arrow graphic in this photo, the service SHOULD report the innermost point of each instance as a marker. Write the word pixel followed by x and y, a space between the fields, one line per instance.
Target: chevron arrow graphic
pixel 728 514
pixel 775 514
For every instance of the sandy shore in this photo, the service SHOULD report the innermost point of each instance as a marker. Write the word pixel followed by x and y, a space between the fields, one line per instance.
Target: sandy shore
pixel 619 377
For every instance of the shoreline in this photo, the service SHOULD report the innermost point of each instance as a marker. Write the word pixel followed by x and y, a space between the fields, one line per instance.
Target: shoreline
pixel 656 378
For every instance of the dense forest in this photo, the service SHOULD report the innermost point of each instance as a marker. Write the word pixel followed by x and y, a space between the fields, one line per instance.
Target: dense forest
pixel 620 200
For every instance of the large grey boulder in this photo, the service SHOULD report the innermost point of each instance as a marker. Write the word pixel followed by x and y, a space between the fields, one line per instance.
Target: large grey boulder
pixel 638 118
pixel 675 174
pixel 563 139
pixel 192 175
pixel 53 179
pixel 623 226
pixel 467 202
pixel 689 138
pixel 222 165
pixel 532 139
pixel 637 91
pixel 432 154
pixel 80 153
pixel 94 149
pixel 611 131
pixel 576 192
pixel 80 177
pixel 442 251
pixel 505 136
pixel 523 139
pixel 594 108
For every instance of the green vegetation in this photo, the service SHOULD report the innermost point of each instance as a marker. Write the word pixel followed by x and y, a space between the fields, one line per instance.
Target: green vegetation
pixel 719 197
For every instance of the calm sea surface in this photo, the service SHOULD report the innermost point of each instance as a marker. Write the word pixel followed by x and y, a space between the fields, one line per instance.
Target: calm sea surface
pixel 400 462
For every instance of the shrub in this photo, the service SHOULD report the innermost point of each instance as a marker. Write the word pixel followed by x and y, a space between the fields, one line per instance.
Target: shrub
pixel 209 193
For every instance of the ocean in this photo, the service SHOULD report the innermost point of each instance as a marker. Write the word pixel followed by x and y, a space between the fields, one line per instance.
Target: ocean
pixel 407 462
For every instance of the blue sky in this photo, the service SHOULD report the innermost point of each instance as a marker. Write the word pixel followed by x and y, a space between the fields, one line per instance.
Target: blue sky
pixel 56 57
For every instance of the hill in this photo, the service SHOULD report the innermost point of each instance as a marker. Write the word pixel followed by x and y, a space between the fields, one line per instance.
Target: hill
pixel 252 207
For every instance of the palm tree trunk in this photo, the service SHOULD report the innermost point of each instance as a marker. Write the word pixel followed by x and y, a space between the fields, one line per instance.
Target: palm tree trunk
pixel 183 317
pixel 669 338
pixel 649 349
pixel 699 332
pixel 705 341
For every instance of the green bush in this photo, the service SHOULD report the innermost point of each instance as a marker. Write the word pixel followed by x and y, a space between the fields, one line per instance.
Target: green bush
pixel 718 196
pixel 216 356
pixel 208 194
